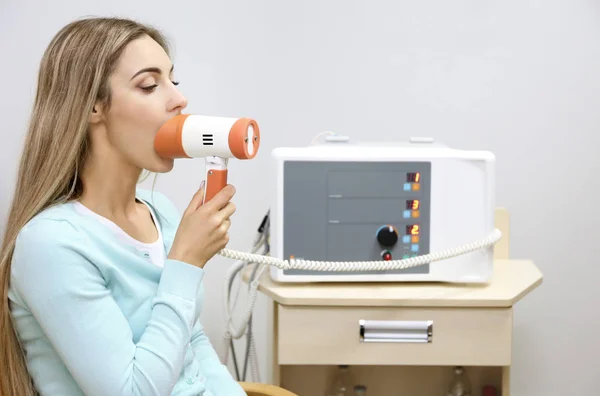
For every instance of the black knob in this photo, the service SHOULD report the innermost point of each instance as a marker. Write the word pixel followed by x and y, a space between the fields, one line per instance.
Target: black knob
pixel 387 236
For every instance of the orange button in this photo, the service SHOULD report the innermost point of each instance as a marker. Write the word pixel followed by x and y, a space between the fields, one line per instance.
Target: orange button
pixel 415 239
pixel 415 213
pixel 416 186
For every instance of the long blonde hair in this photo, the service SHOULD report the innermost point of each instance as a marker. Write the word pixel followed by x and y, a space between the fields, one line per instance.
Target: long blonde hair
pixel 74 74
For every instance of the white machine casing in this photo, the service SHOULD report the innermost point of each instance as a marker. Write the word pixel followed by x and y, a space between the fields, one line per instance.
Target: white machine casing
pixel 333 200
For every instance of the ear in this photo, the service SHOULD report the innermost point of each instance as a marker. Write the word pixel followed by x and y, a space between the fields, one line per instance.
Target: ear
pixel 97 114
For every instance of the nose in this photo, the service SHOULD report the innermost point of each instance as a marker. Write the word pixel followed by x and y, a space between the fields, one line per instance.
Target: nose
pixel 178 101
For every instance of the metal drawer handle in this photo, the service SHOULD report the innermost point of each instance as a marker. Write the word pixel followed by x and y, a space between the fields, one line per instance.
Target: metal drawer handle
pixel 396 331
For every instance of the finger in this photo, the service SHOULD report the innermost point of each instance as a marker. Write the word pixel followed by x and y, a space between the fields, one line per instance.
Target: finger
pixel 225 240
pixel 221 198
pixel 224 227
pixel 196 200
pixel 227 211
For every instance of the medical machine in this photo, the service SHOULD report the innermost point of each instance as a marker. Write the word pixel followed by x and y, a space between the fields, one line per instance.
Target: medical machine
pixel 343 201
pixel 354 212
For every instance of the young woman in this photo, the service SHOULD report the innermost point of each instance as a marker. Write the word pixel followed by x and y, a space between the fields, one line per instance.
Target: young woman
pixel 102 281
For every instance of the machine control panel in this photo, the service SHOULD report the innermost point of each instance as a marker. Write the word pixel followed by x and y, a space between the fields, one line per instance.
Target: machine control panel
pixel 356 211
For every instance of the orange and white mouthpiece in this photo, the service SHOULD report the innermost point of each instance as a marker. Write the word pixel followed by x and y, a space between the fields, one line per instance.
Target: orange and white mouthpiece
pixel 195 136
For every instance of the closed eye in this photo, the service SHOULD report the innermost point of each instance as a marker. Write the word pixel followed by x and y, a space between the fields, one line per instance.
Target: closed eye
pixel 152 87
pixel 149 88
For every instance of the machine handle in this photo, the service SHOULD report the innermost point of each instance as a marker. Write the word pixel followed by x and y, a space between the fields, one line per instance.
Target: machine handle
pixel 216 176
pixel 396 331
pixel 216 180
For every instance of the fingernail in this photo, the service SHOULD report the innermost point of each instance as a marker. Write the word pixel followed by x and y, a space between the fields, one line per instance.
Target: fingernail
pixel 202 184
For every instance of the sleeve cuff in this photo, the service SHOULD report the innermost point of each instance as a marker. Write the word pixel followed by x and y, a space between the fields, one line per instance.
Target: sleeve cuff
pixel 180 279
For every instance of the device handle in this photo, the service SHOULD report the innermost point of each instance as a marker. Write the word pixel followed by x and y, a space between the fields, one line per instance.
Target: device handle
pixel 216 179
pixel 216 176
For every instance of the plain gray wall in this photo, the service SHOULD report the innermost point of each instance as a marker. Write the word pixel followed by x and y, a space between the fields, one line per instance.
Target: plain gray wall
pixel 519 78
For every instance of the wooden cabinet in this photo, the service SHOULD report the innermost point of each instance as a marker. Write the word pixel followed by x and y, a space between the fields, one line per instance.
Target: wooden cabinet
pixel 429 329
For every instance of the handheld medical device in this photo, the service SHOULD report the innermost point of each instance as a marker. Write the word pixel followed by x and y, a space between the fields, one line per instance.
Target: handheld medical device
pixel 215 138
pixel 341 201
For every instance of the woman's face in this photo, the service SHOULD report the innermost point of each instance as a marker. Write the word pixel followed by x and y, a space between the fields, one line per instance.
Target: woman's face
pixel 143 97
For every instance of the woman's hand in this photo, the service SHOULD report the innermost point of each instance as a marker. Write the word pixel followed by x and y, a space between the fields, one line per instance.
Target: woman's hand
pixel 203 230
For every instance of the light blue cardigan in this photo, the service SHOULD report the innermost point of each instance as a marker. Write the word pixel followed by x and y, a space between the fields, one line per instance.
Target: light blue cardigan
pixel 96 318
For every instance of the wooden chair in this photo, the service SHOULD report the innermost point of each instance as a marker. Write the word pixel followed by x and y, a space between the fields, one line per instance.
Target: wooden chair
pixel 258 389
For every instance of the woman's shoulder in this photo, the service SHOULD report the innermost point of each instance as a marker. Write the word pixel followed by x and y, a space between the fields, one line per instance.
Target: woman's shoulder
pixel 50 239
pixel 56 223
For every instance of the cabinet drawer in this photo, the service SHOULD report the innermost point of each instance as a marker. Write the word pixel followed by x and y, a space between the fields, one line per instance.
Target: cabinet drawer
pixel 394 336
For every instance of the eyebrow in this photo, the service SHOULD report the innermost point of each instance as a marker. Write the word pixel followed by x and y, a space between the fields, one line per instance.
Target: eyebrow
pixel 151 70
